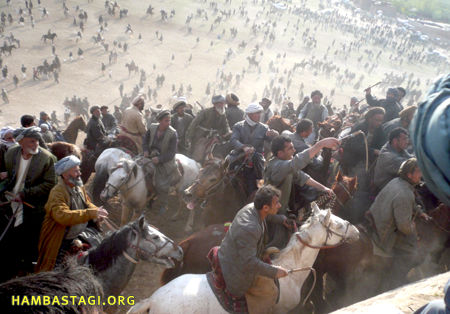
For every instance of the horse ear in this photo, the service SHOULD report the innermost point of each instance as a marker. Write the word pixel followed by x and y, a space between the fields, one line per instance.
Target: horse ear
pixel 209 156
pixel 135 169
pixel 339 176
pixel 354 182
pixel 327 217
pixel 315 208
pixel 141 222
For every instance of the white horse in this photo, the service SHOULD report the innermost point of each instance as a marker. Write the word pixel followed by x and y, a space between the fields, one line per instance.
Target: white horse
pixel 128 178
pixel 192 294
pixel 104 165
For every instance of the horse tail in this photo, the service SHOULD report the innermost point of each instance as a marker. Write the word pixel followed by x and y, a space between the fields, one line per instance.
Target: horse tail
pixel 100 179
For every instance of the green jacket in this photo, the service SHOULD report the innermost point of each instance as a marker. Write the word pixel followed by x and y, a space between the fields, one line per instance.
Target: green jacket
pixel 207 119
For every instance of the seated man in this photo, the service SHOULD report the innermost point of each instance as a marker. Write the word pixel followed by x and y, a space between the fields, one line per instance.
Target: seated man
pixel 284 169
pixel 391 105
pixel 69 211
pixel 160 145
pixel 96 137
pixel 392 155
pixel 240 254
pixel 303 130
pixel 395 235
pixel 249 135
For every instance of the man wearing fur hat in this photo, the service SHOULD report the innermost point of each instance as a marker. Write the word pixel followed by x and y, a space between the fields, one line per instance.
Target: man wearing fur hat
pixel 181 121
pixel 234 113
pixel 249 136
pixel 206 123
pixel 160 145
pixel 390 104
pixel 30 177
pixel 133 124
pixel 267 112
pixel 316 112
pixel 69 212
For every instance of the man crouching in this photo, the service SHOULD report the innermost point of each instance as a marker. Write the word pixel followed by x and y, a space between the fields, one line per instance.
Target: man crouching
pixel 241 251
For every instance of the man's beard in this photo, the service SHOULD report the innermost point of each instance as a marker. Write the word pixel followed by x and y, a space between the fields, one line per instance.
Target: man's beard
pixel 76 181
pixel 33 151
pixel 220 110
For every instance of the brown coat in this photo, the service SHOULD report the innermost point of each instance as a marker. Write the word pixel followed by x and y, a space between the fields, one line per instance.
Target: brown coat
pixel 58 217
pixel 133 122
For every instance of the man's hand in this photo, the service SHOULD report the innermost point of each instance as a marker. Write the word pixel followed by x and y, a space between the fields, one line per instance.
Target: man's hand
pixel 271 133
pixel 368 91
pixel 330 142
pixel 328 191
pixel 101 212
pixel 155 160
pixel 3 175
pixel 289 223
pixel 376 152
pixel 248 150
pixel 146 154
pixel 425 216
pixel 282 272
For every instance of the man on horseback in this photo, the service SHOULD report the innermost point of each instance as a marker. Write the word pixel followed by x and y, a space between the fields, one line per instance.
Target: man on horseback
pixel 96 137
pixel 69 212
pixel 393 214
pixel 316 112
pixel 284 169
pixel 108 120
pixel 234 113
pixel 160 145
pixel 241 252
pixel 181 121
pixel 207 123
pixel 390 104
pixel 30 177
pixel 133 124
pixel 267 112
pixel 249 136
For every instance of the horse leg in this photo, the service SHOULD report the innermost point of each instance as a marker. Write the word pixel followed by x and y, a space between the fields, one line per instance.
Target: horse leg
pixel 125 218
pixel 190 222
pixel 177 214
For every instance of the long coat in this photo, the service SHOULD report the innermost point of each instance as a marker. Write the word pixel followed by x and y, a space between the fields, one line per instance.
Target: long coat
pixel 133 122
pixel 388 164
pixel 181 124
pixel 208 118
pixel 234 115
pixel 392 213
pixel 242 248
pixel 95 133
pixel 58 217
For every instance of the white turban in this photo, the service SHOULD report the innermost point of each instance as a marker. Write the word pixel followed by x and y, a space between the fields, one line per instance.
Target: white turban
pixel 254 108
pixel 66 163
pixel 4 131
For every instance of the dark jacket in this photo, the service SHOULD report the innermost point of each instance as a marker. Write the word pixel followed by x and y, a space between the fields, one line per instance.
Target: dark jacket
pixel 244 134
pixel 242 248
pixel 234 115
pixel 181 125
pixel 109 122
pixel 392 107
pixel 207 119
pixel 95 133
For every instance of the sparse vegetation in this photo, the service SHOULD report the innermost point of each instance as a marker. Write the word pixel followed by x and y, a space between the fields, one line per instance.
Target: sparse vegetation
pixel 436 10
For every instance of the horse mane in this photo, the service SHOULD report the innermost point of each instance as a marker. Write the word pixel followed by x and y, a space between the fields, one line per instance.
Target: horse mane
pixel 280 124
pixel 63 149
pixel 70 279
pixel 103 256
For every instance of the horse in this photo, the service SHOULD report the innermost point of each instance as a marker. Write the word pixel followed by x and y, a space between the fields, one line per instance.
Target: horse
pixel 132 67
pixel 360 263
pixel 7 49
pixel 70 134
pixel 115 259
pixel 70 279
pixel 322 229
pixel 197 246
pixel 280 124
pixel 50 36
pixel 129 179
pixel 220 192
pixel 63 149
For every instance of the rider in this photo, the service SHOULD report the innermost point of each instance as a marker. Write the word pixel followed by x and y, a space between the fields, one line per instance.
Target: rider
pixel 249 136
pixel 133 124
pixel 160 144
pixel 69 212
pixel 241 251
pixel 393 214
pixel 180 121
pixel 390 104
pixel 96 137
pixel 314 111
pixel 234 113
pixel 109 121
pixel 285 168
pixel 208 121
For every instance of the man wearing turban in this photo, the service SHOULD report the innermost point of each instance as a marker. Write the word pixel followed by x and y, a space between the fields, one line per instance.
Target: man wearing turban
pixel 30 177
pixel 133 124
pixel 69 212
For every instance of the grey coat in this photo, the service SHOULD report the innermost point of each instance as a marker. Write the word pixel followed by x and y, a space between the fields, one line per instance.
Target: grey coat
pixel 392 212
pixel 387 165
pixel 282 173
pixel 244 134
pixel 234 115
pixel 242 248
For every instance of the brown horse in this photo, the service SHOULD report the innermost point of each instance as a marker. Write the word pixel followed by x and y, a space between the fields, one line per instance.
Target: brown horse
pixel 280 124
pixel 63 149
pixel 197 246
pixel 220 192
pixel 71 132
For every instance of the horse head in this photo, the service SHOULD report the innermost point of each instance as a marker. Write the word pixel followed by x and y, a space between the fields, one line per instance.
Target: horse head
pixel 280 124
pixel 149 244
pixel 330 127
pixel 81 123
pixel 325 230
pixel 120 175
pixel 209 178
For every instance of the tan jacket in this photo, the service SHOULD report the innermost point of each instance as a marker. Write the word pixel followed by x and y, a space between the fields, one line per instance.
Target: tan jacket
pixel 58 217
pixel 133 122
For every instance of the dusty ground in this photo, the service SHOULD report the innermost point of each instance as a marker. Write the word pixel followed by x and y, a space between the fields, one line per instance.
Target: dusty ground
pixel 83 77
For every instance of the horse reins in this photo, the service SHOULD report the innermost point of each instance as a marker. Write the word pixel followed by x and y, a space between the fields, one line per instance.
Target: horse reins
pixel 329 232
pixel 128 179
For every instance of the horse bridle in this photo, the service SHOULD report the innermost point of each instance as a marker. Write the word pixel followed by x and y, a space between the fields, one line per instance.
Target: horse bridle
pixel 330 232
pixel 126 181
pixel 141 253
pixel 347 191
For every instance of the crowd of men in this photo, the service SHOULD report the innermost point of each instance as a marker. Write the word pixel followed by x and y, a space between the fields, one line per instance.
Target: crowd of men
pixel 45 205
